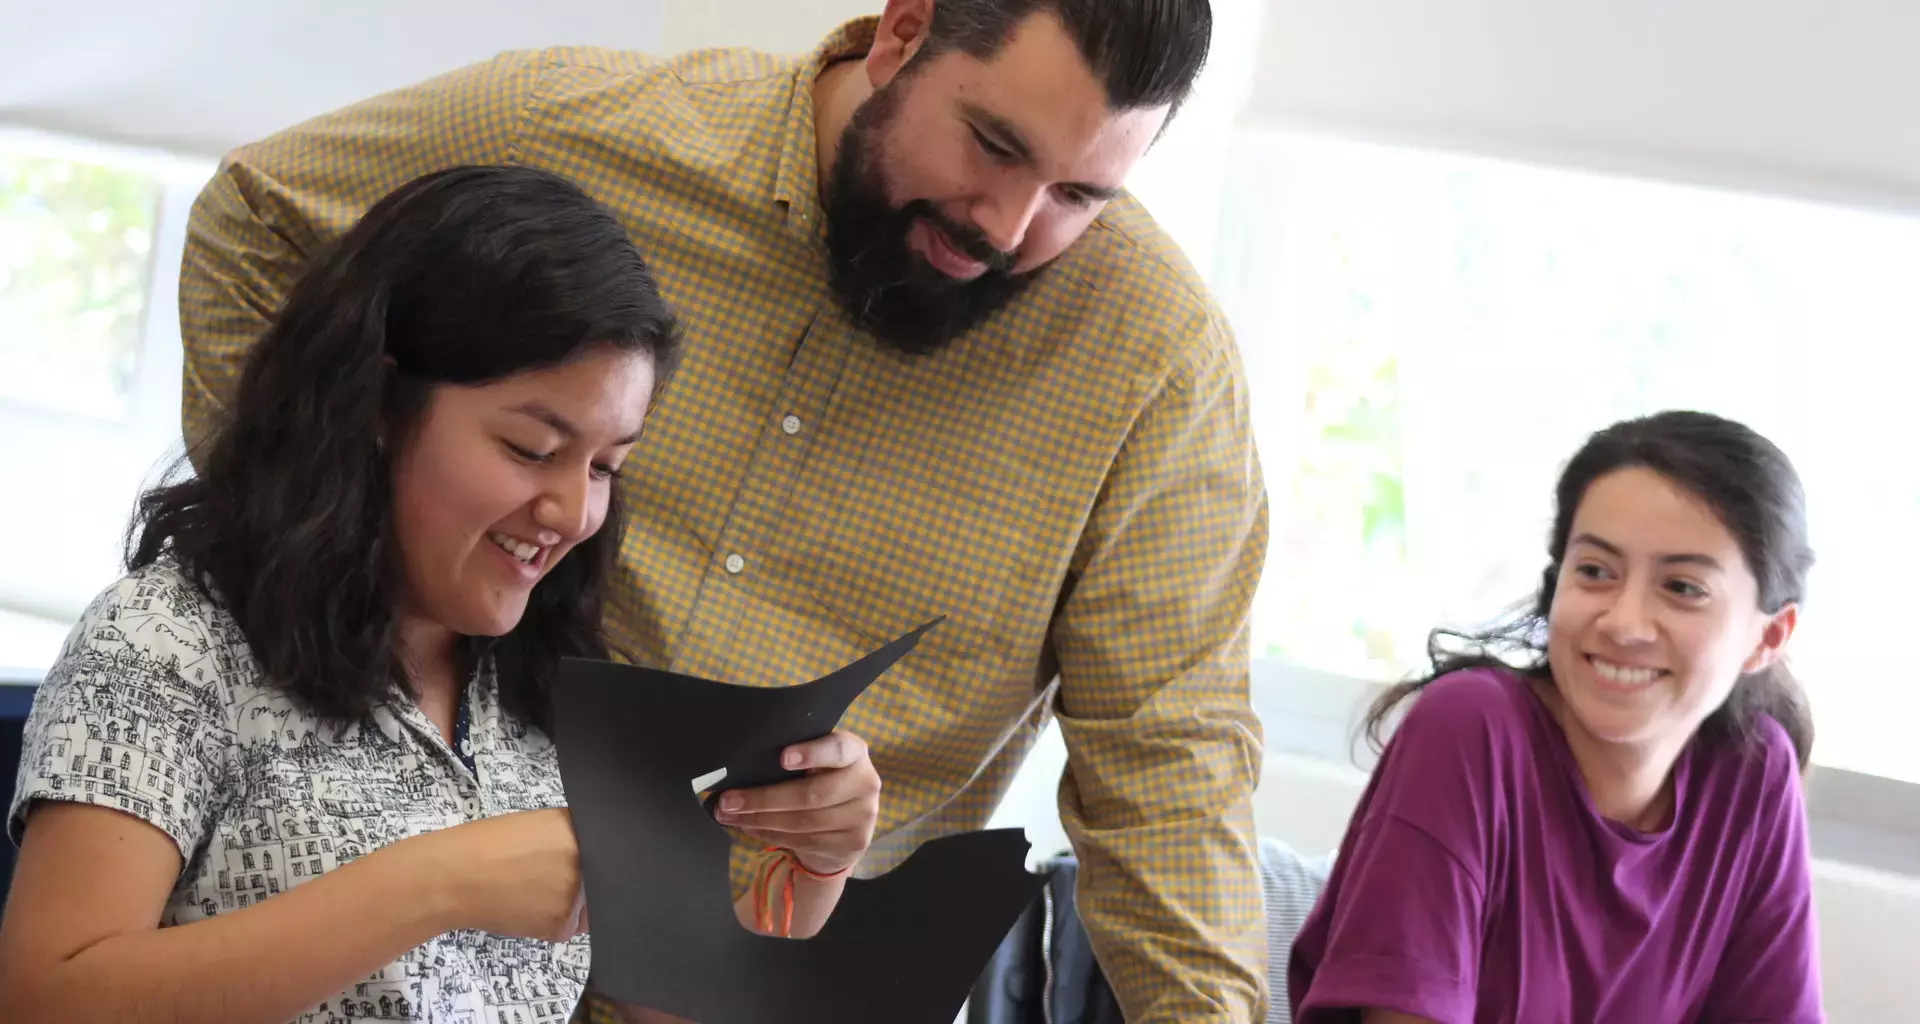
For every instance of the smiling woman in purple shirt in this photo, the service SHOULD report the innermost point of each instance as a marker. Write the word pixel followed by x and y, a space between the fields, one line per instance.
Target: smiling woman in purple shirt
pixel 1594 812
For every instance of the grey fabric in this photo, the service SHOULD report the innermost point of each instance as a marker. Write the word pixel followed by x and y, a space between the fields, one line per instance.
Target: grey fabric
pixel 1291 883
pixel 1044 972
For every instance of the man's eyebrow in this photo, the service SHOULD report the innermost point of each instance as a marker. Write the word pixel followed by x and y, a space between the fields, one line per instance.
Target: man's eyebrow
pixel 1005 133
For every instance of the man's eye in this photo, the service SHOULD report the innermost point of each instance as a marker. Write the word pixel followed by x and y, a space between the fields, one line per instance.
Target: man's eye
pixel 992 148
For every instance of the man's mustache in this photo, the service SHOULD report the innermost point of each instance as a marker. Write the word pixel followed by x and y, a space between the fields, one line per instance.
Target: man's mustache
pixel 965 237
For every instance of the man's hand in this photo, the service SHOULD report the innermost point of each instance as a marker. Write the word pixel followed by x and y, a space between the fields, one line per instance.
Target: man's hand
pixel 826 819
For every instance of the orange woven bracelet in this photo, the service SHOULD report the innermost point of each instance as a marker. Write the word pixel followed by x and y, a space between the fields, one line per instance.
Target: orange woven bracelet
pixel 763 895
pixel 794 859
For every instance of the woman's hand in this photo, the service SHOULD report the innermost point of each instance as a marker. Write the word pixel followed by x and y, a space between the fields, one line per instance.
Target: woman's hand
pixel 513 874
pixel 827 819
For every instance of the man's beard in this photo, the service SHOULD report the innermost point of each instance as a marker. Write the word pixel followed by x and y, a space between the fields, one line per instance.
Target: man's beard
pixel 886 287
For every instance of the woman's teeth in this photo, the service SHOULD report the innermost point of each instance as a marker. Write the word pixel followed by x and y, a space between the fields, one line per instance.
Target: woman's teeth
pixel 517 548
pixel 1623 675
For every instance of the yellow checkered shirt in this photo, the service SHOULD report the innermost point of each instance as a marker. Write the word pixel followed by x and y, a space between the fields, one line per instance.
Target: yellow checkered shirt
pixel 1073 484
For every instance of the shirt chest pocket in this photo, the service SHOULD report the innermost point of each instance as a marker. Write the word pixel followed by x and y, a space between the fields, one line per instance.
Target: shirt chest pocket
pixel 892 527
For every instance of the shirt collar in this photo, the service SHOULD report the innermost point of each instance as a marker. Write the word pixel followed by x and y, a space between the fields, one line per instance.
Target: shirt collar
pixel 796 183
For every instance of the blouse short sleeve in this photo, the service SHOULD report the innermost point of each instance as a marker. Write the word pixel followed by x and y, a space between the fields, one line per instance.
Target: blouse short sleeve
pixel 133 715
pixel 1400 925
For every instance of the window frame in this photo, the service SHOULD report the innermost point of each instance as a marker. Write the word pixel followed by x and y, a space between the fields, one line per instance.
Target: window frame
pixel 68 441
pixel 1855 818
pixel 1253 230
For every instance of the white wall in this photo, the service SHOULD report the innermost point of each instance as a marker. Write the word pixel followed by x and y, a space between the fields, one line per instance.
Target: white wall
pixel 204 76
pixel 777 26
pixel 1182 179
pixel 1801 96
pixel 1032 801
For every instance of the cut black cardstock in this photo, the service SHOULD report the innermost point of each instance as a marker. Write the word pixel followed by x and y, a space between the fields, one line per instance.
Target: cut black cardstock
pixel 903 948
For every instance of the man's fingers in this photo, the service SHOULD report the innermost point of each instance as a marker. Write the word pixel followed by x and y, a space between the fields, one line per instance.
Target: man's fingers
pixel 792 795
pixel 834 750
pixel 757 808
pixel 827 789
pixel 848 817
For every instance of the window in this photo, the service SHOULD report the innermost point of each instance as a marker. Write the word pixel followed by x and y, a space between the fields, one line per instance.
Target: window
pixel 1430 336
pixel 90 240
pixel 75 262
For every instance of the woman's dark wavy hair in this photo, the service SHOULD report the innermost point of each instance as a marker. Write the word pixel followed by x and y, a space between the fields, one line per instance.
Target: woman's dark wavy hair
pixel 463 276
pixel 1748 483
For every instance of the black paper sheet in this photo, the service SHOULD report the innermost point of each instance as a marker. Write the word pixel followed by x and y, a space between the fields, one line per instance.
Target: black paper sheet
pixel 903 948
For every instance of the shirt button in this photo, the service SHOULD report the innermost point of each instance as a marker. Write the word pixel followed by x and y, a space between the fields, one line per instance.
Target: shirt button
pixel 735 563
pixel 791 424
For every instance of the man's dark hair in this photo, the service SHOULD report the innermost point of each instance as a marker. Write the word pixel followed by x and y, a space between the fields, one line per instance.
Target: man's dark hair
pixel 1146 53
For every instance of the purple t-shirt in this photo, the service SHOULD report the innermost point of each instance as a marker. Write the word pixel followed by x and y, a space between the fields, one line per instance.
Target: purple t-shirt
pixel 1477 883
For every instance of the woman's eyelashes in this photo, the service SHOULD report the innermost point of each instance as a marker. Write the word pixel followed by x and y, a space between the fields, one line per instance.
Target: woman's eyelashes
pixel 528 454
pixel 600 470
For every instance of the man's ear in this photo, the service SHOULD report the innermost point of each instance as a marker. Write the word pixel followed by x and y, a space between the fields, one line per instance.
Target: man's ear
pixel 903 30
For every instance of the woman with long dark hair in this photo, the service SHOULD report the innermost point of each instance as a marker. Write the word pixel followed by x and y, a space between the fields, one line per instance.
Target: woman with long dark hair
pixel 295 764
pixel 1594 811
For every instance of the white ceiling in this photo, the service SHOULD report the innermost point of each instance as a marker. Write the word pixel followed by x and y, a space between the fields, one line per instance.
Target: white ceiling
pixel 1806 96
pixel 200 76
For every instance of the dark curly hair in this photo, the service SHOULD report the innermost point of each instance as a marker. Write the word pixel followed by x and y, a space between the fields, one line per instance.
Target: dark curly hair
pixel 463 276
